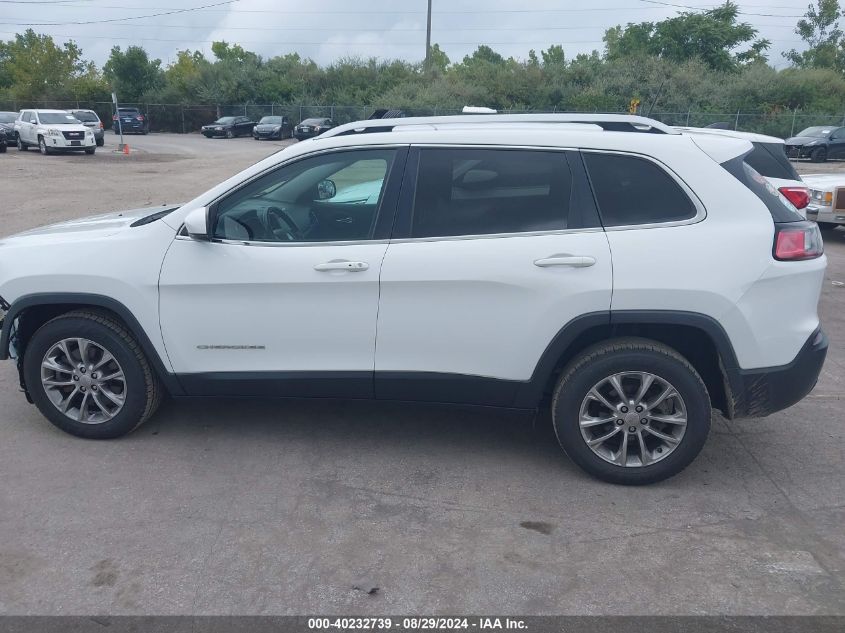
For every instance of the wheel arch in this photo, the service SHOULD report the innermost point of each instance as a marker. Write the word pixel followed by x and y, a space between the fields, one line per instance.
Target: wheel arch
pixel 29 312
pixel 697 337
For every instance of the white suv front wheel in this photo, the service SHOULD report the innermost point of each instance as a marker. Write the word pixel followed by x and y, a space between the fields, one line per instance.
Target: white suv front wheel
pixel 631 411
pixel 87 374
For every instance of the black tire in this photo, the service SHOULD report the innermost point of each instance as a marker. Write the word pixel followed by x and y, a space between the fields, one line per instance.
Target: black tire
pixel 621 355
pixel 90 150
pixel 143 389
pixel 101 142
pixel 21 145
pixel 818 155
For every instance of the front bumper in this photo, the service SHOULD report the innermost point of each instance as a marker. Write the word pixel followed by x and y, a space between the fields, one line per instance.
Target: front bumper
pixel 61 143
pixel 825 215
pixel 756 393
pixel 213 133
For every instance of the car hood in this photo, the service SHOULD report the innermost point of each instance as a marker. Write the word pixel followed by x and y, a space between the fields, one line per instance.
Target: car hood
pixel 803 140
pixel 65 127
pixel 94 226
pixel 824 181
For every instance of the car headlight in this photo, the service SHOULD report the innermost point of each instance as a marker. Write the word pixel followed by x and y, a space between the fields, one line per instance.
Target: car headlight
pixel 53 132
pixel 277 128
pixel 219 129
pixel 824 198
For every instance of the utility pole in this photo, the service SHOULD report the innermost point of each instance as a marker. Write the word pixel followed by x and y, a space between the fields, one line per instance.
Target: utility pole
pixel 428 40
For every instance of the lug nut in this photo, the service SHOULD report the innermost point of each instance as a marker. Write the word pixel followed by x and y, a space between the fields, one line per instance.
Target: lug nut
pixel 659 449
pixel 624 409
pixel 639 409
pixel 94 376
pixel 643 421
pixel 82 388
pixel 93 387
pixel 75 377
pixel 620 422
pixel 632 429
pixel 81 370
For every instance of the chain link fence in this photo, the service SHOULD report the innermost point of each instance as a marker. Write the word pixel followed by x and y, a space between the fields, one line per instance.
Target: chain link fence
pixel 185 118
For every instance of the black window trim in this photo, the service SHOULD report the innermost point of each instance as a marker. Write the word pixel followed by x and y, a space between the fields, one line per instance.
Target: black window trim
pixel 385 213
pixel 700 209
pixel 403 223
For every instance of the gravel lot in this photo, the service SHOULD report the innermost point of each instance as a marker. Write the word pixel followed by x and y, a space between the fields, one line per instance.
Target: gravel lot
pixel 234 507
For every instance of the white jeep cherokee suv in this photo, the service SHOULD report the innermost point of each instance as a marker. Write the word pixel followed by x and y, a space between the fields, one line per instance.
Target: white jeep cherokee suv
pixel 53 131
pixel 627 275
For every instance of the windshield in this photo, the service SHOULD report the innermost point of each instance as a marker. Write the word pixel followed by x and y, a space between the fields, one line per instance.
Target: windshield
pixel 54 118
pixel 271 120
pixel 89 117
pixel 8 117
pixel 225 120
pixel 819 131
pixel 312 122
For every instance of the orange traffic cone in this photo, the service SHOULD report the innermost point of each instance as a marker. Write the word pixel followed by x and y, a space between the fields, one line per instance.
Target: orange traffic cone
pixel 126 149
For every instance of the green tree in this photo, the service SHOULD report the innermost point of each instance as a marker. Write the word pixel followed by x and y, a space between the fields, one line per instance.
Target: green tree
pixel 34 67
pixel 132 73
pixel 711 36
pixel 819 28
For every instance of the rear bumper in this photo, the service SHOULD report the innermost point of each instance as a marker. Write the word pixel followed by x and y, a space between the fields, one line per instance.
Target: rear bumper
pixel 759 392
pixel 825 215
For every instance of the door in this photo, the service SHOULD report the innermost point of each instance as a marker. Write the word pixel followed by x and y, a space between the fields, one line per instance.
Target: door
pixel 837 143
pixel 27 131
pixel 283 300
pixel 496 251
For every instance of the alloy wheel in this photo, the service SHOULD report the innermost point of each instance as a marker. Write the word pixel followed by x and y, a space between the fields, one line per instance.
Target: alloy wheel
pixel 633 419
pixel 83 380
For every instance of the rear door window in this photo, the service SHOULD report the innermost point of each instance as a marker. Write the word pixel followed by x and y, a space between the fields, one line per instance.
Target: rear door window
pixel 630 190
pixel 479 191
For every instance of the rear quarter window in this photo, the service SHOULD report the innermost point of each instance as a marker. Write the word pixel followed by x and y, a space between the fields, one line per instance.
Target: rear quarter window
pixel 769 160
pixel 630 190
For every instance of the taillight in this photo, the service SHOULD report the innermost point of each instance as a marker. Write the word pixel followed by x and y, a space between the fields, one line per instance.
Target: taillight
pixel 798 196
pixel 795 241
pixel 140 117
pixel 114 117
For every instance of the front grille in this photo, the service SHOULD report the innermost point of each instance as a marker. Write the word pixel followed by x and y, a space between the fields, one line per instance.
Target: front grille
pixel 839 199
pixel 74 136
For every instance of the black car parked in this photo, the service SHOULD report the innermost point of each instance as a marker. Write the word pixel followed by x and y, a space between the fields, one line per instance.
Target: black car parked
pixel 272 127
pixel 817 143
pixel 312 127
pixel 3 141
pixel 7 124
pixel 229 126
pixel 131 121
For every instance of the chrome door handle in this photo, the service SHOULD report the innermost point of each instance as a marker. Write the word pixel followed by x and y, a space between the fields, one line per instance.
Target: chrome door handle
pixel 342 264
pixel 574 261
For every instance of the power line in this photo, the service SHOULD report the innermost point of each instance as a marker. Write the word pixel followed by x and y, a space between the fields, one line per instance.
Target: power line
pixel 347 44
pixel 135 17
pixel 686 6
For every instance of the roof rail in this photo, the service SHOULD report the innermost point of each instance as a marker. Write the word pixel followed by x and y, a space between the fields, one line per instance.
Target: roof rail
pixel 608 122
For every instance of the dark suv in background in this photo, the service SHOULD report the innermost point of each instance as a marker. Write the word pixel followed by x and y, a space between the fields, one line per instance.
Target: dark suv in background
pixel 131 120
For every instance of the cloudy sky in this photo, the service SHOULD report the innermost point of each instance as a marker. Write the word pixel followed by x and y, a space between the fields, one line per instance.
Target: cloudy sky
pixel 327 29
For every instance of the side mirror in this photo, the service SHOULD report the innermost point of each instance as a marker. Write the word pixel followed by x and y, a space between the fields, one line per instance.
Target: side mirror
pixel 326 189
pixel 196 224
